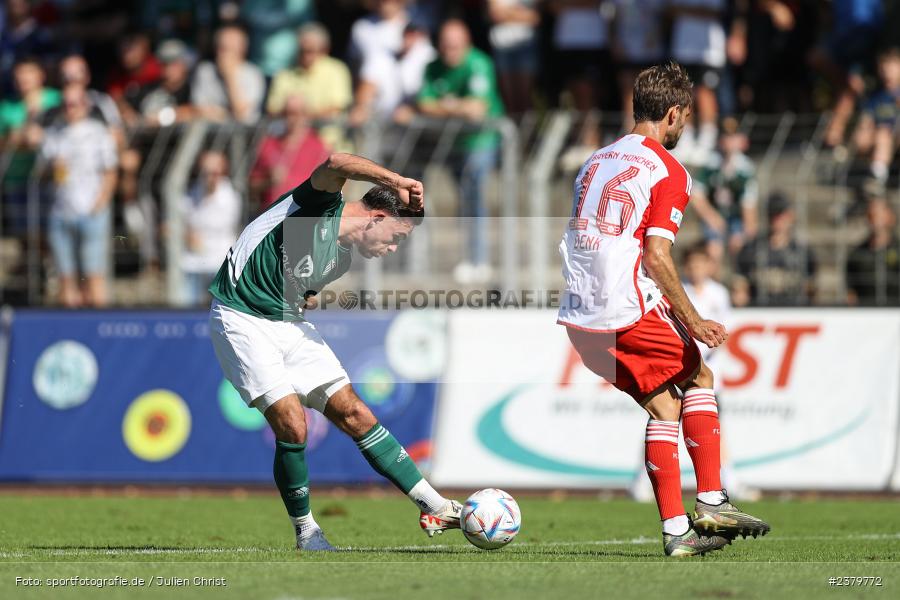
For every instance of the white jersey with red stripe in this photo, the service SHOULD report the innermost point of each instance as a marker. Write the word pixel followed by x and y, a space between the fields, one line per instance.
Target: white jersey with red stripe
pixel 626 191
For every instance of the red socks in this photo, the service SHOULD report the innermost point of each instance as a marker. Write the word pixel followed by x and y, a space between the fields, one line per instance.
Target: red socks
pixel 661 447
pixel 700 418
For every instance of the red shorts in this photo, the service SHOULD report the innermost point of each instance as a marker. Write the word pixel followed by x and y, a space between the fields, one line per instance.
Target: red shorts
pixel 639 360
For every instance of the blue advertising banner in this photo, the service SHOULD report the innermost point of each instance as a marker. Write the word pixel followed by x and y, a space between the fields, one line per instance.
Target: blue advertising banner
pixel 139 397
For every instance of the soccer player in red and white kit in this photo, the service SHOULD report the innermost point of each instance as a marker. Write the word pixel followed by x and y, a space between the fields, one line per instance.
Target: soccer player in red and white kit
pixel 628 317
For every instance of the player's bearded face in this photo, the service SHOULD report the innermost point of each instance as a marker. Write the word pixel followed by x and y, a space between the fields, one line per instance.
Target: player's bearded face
pixel 675 131
pixel 383 235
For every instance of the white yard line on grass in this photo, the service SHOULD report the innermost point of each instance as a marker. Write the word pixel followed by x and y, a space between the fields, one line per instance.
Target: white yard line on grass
pixel 412 548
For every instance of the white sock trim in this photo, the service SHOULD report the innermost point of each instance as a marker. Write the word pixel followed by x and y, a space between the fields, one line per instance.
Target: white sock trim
pixel 699 400
pixel 378 434
pixel 662 431
pixel 304 526
pixel 676 525
pixel 714 497
pixel 426 497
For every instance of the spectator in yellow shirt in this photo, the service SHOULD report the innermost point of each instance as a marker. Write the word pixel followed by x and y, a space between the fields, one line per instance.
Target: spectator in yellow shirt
pixel 322 81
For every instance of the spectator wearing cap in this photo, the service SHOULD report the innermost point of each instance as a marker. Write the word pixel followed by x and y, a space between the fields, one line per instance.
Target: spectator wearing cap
pixel 82 155
pixel 461 84
pixel 160 104
pixel 167 101
pixel 288 157
pixel 212 213
pixel 229 87
pixel 873 268
pixel 514 42
pixel 778 267
pixel 323 82
pixel 388 83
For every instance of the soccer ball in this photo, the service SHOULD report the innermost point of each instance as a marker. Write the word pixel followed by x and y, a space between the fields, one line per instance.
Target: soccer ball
pixel 490 519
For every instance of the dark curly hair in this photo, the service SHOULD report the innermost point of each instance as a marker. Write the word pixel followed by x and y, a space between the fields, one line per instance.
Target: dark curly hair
pixel 388 200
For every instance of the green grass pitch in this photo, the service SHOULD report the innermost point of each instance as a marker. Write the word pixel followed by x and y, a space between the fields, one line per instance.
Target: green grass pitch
pixel 568 548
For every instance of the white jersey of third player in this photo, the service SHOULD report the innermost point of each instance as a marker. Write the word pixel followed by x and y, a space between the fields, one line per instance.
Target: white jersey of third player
pixel 626 191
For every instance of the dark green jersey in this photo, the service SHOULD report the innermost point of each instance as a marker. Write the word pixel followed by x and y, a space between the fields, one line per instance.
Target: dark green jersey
pixel 473 78
pixel 730 184
pixel 287 252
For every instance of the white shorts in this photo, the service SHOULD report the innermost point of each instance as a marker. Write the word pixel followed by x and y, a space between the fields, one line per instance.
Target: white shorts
pixel 268 360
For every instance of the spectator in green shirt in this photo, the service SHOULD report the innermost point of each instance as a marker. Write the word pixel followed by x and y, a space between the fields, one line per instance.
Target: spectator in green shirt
pixel 461 84
pixel 724 194
pixel 19 132
pixel 32 99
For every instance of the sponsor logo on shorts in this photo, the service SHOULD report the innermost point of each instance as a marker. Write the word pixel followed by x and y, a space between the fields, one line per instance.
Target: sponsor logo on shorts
pixel 331 264
pixel 323 233
pixel 403 454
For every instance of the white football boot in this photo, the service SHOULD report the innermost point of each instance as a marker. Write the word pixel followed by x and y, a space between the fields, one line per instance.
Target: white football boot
pixel 446 518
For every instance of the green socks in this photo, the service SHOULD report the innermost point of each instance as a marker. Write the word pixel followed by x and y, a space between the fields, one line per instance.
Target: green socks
pixel 380 449
pixel 292 477
pixel 389 458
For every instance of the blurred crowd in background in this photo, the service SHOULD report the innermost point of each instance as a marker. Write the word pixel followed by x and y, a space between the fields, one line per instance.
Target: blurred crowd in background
pixel 86 83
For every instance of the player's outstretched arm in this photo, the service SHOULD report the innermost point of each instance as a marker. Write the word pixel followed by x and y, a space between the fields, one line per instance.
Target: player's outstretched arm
pixel 331 175
pixel 661 268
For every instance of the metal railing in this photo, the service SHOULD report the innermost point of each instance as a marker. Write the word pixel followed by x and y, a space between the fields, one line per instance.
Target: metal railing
pixel 787 148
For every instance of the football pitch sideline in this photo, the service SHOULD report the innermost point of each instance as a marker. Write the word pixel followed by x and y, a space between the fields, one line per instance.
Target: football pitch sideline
pixel 240 546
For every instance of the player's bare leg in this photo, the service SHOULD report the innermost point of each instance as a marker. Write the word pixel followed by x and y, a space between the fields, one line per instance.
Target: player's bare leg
pixel 288 422
pixel 679 537
pixel 351 415
pixel 713 514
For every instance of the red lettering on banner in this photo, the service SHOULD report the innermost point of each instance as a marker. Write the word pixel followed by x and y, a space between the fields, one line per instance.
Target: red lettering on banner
pixel 744 357
pixel 793 334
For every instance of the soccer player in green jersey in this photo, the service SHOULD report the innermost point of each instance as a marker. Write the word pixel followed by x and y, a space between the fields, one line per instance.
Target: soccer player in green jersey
pixel 277 360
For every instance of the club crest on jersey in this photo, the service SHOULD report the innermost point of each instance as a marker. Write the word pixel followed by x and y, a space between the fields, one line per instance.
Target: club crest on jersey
pixel 331 264
pixel 304 268
pixel 676 216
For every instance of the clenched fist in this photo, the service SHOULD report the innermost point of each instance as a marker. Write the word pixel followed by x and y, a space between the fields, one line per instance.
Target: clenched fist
pixel 412 193
pixel 709 332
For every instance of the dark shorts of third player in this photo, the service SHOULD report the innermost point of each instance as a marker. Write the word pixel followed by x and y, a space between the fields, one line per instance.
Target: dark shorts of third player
pixel 641 359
